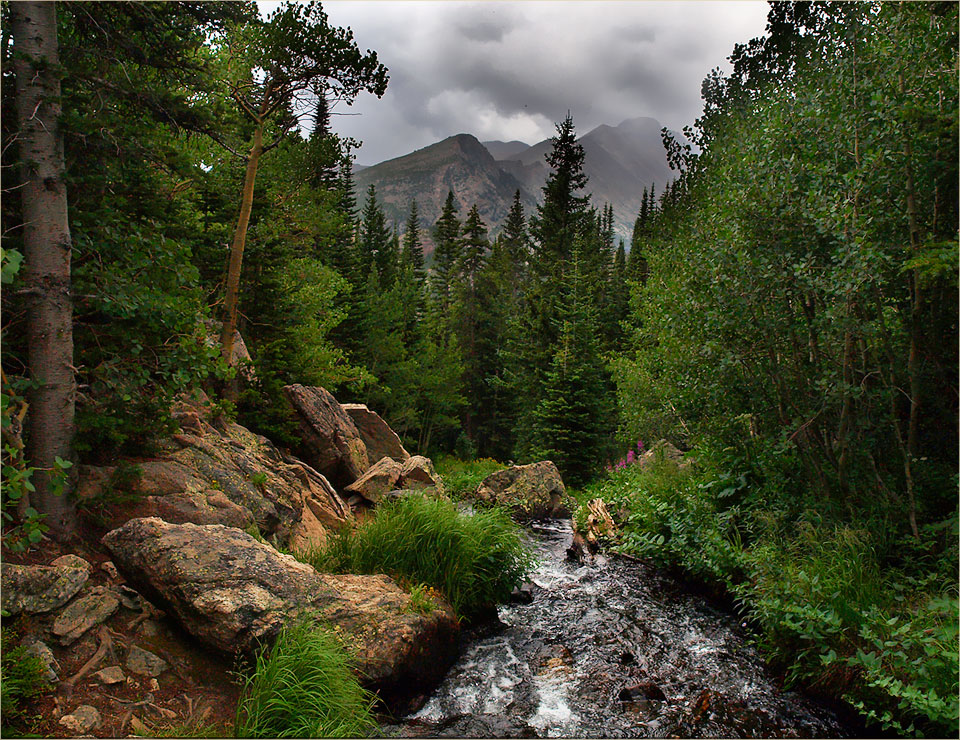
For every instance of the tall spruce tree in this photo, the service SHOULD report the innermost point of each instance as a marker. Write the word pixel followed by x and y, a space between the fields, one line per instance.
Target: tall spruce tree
pixel 561 220
pixel 412 246
pixel 500 294
pixel 446 251
pixel 375 237
pixel 467 318
pixel 572 421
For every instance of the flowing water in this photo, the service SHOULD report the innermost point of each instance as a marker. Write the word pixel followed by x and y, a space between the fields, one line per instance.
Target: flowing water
pixel 611 649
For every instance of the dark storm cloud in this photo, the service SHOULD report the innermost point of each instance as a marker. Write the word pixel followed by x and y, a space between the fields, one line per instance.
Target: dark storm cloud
pixel 510 70
pixel 636 33
pixel 482 31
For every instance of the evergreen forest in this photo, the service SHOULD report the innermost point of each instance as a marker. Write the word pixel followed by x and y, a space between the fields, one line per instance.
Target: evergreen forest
pixel 785 313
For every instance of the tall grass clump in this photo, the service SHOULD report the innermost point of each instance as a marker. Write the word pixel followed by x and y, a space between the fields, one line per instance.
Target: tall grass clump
pixel 304 686
pixel 475 560
pixel 461 477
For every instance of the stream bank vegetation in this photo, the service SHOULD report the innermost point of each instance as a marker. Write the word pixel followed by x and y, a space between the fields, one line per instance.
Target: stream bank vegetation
pixel 304 686
pixel 473 560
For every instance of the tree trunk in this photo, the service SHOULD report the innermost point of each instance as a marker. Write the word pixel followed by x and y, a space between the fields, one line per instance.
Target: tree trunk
pixel 46 240
pixel 232 299
pixel 916 309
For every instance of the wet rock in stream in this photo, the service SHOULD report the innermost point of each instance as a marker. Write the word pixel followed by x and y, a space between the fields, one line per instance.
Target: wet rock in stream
pixel 611 649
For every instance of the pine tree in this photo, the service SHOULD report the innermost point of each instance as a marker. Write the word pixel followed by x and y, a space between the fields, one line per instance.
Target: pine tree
pixel 636 261
pixel 561 220
pixel 516 240
pixel 325 150
pixel 572 421
pixel 500 294
pixel 374 235
pixel 446 253
pixel 412 247
pixel 467 317
pixel 619 304
pixel 473 246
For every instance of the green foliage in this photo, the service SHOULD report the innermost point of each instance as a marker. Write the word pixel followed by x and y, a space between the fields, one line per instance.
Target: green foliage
pixel 21 679
pixel 304 686
pixel 461 477
pixel 475 561
pixel 791 333
pixel 22 526
pixel 573 419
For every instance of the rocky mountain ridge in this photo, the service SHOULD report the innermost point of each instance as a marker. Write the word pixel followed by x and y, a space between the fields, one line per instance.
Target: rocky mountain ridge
pixel 619 161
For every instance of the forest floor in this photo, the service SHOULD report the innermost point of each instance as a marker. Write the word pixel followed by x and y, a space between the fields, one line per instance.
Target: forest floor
pixel 196 696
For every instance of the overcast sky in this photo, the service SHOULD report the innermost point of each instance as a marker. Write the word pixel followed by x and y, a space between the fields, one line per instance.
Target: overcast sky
pixel 509 70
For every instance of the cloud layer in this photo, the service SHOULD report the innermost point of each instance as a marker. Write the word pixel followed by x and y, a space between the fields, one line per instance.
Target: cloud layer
pixel 509 70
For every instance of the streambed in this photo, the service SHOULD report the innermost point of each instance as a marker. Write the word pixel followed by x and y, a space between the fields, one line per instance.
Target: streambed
pixel 611 649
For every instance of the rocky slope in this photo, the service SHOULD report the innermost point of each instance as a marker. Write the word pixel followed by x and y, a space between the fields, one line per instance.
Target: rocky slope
pixel 620 161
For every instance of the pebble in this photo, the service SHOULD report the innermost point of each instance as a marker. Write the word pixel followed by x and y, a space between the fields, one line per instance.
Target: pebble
pixel 111 570
pixel 110 675
pixel 83 719
pixel 145 663
pixel 84 613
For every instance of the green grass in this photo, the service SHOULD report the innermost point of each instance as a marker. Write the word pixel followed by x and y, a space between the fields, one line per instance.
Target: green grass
pixel 461 477
pixel 304 686
pixel 475 561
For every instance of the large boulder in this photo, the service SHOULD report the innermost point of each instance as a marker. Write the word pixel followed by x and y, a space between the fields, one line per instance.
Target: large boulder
pixel 330 441
pixel 222 474
pixel 380 479
pixel 418 472
pixel 234 594
pixel 663 450
pixel 381 441
pixel 534 490
pixel 36 589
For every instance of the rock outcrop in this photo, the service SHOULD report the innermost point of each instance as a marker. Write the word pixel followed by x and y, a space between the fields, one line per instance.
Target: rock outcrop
pixel 330 441
pixel 222 474
pixel 36 589
pixel 534 490
pixel 380 440
pixel 383 477
pixel 234 593
pixel 418 472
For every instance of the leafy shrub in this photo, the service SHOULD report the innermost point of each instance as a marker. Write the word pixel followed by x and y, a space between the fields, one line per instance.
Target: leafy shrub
pixel 304 686
pixel 21 678
pixel 21 528
pixel 910 666
pixel 474 561
pixel 461 477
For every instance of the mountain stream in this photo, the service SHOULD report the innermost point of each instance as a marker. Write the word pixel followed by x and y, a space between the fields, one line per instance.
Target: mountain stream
pixel 611 649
